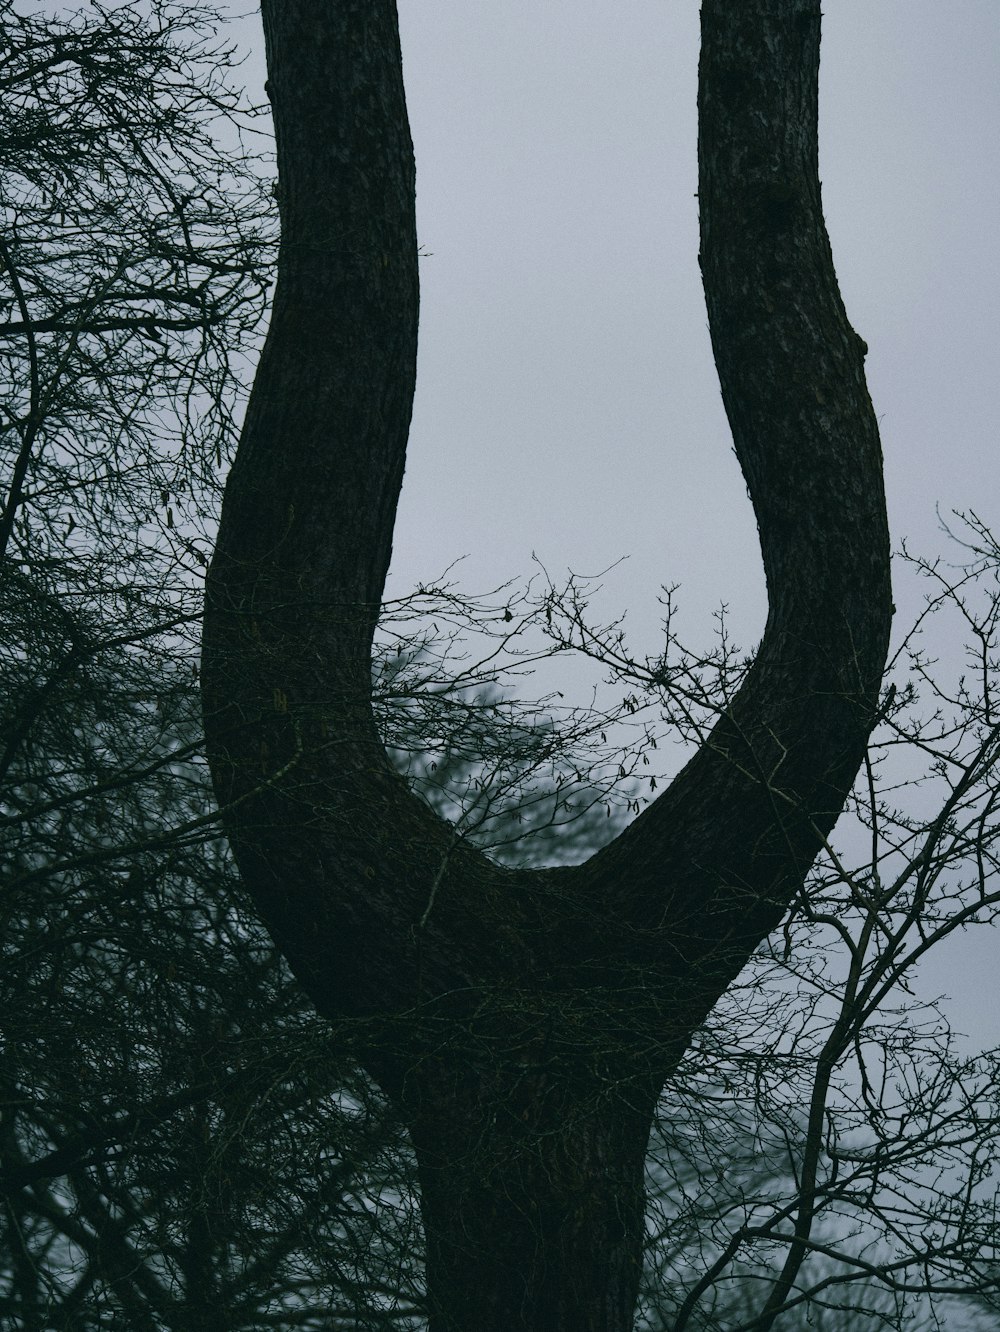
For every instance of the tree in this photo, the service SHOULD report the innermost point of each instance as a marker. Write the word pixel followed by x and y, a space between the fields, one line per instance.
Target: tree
pixel 136 252
pixel 184 1141
pixel 524 1022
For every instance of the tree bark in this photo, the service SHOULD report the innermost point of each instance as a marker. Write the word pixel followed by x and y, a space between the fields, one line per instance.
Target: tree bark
pixel 526 1021
pixel 532 1196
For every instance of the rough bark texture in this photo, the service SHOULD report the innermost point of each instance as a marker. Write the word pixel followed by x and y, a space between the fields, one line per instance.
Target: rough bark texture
pixel 526 1022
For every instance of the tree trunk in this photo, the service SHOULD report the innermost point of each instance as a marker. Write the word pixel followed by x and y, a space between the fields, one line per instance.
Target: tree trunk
pixel 525 1021
pixel 532 1199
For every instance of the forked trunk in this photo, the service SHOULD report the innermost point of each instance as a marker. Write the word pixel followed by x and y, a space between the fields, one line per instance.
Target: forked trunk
pixel 531 1160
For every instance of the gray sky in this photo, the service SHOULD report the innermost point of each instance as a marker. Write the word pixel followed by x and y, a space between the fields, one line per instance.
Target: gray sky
pixel 567 401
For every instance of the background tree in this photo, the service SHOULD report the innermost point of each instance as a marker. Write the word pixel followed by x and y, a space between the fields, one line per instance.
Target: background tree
pixel 137 249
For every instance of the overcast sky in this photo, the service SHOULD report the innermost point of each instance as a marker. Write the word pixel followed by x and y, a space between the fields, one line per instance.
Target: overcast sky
pixel 567 401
